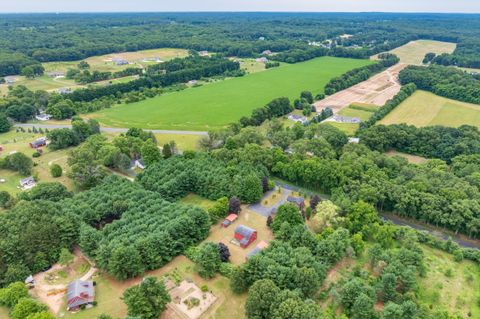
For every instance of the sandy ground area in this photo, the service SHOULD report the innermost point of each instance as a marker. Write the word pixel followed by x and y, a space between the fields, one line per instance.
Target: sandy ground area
pixel 377 91
pixel 53 294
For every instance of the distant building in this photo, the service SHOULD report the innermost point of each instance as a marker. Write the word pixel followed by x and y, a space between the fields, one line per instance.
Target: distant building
pixel 261 38
pixel 193 82
pixel 245 235
pixel 120 61
pixel 138 163
pixel 203 53
pixel 42 117
pixel 80 293
pixel 28 183
pixel 65 90
pixel 42 141
pixel 262 60
pixel 56 74
pixel 344 119
pixel 353 140
pixel 10 79
pixel 267 52
pixel 298 118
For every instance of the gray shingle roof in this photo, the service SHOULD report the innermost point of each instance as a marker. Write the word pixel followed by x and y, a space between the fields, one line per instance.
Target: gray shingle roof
pixel 79 293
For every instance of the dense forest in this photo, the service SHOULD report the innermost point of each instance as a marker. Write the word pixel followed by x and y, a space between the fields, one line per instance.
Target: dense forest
pixel 444 81
pixel 70 37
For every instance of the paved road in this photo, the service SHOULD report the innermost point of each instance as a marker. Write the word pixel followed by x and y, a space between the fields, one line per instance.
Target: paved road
pixel 112 129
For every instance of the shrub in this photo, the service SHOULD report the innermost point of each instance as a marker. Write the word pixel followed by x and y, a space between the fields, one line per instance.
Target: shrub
pixel 36 154
pixel 56 170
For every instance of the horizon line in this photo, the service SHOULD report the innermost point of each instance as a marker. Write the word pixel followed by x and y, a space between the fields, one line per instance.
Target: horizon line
pixel 242 11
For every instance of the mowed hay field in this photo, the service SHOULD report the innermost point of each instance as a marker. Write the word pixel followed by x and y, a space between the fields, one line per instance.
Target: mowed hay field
pixel 425 109
pixel 414 51
pixel 218 104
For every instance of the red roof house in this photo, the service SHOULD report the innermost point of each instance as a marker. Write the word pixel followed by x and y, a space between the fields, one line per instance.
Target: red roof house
pixel 245 235
pixel 229 220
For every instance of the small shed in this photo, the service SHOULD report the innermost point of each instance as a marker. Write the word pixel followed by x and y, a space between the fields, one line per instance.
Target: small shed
pixel 267 52
pixel 229 220
pixel 42 141
pixel 30 282
pixel 261 246
pixel 80 293
pixel 28 182
pixel 262 60
pixel 245 235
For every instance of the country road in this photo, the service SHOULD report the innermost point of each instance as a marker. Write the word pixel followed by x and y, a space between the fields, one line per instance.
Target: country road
pixel 112 129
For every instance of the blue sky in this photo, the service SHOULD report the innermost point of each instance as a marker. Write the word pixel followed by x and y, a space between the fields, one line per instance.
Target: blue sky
pixel 466 6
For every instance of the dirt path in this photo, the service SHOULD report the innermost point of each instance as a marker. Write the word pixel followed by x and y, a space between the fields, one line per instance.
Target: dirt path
pixel 377 91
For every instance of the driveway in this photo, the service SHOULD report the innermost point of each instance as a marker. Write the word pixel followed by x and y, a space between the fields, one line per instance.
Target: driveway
pixel 266 211
pixel 111 129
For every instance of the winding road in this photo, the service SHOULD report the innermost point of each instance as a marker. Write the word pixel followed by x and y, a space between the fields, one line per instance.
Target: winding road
pixel 112 129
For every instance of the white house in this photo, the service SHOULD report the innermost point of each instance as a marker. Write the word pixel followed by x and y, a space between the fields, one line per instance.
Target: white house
pixel 298 118
pixel 28 183
pixel 42 117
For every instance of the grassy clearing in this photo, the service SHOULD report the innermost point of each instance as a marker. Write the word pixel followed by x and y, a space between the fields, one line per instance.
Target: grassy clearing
pixel 104 62
pixel 196 200
pixel 414 51
pixel 424 109
pixel 362 114
pixel 218 104
pixel 184 142
pixel 109 291
pixel 347 128
pixel 450 286
pixel 251 65
pixel 413 159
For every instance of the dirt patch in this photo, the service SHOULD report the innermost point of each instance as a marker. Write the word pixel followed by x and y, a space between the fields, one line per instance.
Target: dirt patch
pixel 225 235
pixel 377 91
pixel 51 285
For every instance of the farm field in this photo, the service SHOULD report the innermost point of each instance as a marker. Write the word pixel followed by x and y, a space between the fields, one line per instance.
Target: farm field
pixel 218 104
pixel 43 82
pixel 425 108
pixel 449 285
pixel 377 90
pixel 414 51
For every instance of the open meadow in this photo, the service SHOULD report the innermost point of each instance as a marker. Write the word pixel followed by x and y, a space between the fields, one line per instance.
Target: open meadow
pixel 425 109
pixel 414 51
pixel 104 63
pixel 218 104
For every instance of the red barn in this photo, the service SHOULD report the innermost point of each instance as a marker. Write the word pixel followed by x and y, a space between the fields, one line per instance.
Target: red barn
pixel 245 235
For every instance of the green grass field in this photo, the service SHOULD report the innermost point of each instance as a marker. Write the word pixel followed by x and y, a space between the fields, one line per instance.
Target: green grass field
pixel 218 104
pixel 424 109
pixel 414 51
pixel 360 111
pixel 449 285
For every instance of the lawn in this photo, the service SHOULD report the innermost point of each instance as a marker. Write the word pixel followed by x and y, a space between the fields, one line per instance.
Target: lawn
pixel 218 104
pixel 347 128
pixel 414 51
pixel 425 108
pixel 363 112
pixel 449 285
pixel 185 142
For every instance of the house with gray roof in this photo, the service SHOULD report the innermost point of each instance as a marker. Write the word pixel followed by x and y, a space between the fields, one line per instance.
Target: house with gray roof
pixel 80 293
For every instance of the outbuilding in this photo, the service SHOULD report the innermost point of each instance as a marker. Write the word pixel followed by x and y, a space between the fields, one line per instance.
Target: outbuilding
pixel 80 293
pixel 261 246
pixel 229 220
pixel 245 235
